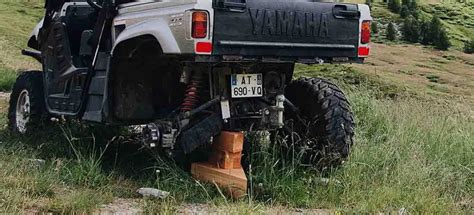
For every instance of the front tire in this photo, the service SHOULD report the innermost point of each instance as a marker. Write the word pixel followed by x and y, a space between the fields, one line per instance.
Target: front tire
pixel 27 106
pixel 322 130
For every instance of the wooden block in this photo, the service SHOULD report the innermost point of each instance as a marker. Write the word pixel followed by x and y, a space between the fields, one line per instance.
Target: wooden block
pixel 226 160
pixel 232 142
pixel 232 181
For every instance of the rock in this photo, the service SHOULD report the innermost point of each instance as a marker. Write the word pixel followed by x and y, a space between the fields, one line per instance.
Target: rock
pixel 37 162
pixel 402 211
pixel 152 192
pixel 326 181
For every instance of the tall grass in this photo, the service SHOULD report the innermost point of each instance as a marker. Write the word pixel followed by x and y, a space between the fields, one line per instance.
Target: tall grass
pixel 7 79
pixel 410 154
pixel 71 180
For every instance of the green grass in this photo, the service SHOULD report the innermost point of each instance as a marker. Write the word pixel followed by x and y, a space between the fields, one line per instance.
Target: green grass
pixel 18 18
pixel 410 154
pixel 457 17
pixel 7 78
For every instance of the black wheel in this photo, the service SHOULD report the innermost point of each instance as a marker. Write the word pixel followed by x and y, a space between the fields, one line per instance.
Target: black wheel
pixel 321 129
pixel 27 106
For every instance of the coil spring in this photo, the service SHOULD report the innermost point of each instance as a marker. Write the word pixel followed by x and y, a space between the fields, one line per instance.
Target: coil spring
pixel 191 97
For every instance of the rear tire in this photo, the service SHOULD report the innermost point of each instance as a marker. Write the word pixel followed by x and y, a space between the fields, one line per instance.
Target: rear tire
pixel 322 130
pixel 27 106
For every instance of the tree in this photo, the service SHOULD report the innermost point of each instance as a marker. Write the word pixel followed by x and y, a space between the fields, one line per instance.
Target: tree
pixel 404 12
pixel 411 30
pixel 442 43
pixel 415 13
pixel 439 36
pixel 394 5
pixel 469 46
pixel 415 31
pixel 406 29
pixel 435 29
pixel 391 32
pixel 426 37
pixel 374 27
pixel 405 2
pixel 369 3
pixel 413 5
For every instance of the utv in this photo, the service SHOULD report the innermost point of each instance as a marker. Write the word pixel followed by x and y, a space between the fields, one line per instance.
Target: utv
pixel 187 69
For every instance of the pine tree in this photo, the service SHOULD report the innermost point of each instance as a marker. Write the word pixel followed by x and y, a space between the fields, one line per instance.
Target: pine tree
pixel 426 37
pixel 394 5
pixel 369 3
pixel 442 43
pixel 413 5
pixel 405 2
pixel 411 30
pixel 469 46
pixel 435 29
pixel 406 29
pixel 374 27
pixel 415 13
pixel 404 12
pixel 391 32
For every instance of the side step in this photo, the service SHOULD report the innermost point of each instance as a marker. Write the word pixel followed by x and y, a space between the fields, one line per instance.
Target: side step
pixel 95 100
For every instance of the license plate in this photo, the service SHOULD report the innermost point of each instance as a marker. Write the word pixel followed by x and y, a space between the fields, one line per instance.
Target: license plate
pixel 246 85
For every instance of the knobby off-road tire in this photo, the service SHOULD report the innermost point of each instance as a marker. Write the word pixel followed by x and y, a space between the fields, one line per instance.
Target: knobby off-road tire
pixel 322 131
pixel 27 106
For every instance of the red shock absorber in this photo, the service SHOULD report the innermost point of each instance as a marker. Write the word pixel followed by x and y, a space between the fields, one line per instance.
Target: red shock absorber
pixel 191 97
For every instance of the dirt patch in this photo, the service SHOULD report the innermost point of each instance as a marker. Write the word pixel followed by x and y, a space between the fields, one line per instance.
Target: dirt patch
pixel 4 95
pixel 121 206
pixel 209 209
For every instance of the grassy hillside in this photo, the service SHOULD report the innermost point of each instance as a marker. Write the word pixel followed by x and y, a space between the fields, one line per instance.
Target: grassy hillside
pixel 414 146
pixel 18 18
pixel 411 155
pixel 456 16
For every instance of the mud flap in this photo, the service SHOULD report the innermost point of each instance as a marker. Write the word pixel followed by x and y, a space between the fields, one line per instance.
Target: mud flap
pixel 200 133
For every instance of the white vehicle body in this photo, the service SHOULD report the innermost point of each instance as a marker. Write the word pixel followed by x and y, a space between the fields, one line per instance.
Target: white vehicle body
pixel 169 22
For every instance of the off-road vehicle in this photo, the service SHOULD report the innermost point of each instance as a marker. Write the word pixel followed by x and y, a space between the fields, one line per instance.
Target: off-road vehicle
pixel 187 69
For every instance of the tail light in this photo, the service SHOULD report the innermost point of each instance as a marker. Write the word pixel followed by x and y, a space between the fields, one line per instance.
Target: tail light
pixel 365 32
pixel 199 25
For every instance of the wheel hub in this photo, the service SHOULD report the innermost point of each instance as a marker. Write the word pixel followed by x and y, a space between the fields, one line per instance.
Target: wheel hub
pixel 23 111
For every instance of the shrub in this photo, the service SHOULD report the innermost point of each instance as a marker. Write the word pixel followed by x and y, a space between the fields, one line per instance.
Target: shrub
pixel 404 12
pixel 442 42
pixel 435 29
pixel 429 33
pixel 369 3
pixel 469 46
pixel 413 5
pixel 411 30
pixel 391 32
pixel 7 79
pixel 426 37
pixel 394 5
pixel 415 13
pixel 374 28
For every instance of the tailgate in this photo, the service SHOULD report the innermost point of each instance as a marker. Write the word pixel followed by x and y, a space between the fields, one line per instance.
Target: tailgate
pixel 285 28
